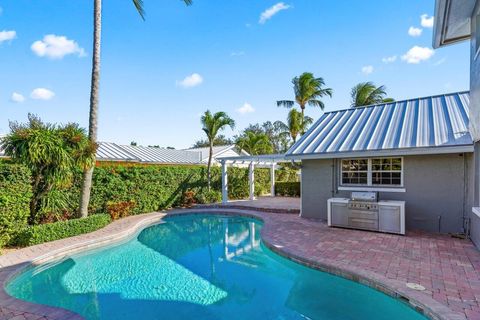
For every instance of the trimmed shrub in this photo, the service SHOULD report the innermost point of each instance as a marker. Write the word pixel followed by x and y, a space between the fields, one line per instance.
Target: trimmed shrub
pixel 120 209
pixel 206 197
pixel 289 189
pixel 32 235
pixel 156 187
pixel 15 195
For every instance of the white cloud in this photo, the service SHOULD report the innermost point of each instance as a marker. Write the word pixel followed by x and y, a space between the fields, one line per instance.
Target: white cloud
pixel 7 35
pixel 56 47
pixel 390 59
pixel 414 32
pixel 42 94
pixel 17 97
pixel 190 81
pixel 273 10
pixel 246 108
pixel 367 70
pixel 418 54
pixel 426 21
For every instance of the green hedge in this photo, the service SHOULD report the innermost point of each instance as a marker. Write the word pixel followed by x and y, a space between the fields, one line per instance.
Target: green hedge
pixel 32 235
pixel 290 189
pixel 15 194
pixel 151 187
pixel 160 187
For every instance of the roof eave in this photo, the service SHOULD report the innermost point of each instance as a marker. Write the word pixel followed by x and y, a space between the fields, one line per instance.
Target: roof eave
pixel 443 11
pixel 385 153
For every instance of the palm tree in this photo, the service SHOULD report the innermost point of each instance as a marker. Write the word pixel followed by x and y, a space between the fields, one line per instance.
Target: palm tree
pixel 294 125
pixel 308 91
pixel 94 93
pixel 254 143
pixel 366 93
pixel 212 124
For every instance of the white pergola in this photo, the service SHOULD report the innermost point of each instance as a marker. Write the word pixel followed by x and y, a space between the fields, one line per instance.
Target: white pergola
pixel 265 161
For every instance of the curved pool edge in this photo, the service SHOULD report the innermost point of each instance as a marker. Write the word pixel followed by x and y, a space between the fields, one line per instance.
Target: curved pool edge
pixel 14 263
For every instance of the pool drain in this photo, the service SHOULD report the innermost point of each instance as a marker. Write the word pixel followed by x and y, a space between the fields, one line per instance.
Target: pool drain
pixel 415 286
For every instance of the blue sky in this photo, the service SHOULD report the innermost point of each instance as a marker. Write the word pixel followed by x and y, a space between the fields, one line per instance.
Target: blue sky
pixel 158 76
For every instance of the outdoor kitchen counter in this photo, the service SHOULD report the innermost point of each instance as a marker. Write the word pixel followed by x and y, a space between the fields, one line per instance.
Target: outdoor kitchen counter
pixel 384 216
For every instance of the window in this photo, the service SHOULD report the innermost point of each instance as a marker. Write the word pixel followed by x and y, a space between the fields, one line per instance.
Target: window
pixel 372 172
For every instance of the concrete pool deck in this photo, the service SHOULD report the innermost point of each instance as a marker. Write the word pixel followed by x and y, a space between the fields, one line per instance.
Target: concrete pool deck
pixel 447 267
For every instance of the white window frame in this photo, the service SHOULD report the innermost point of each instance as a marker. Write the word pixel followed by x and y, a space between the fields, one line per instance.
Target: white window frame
pixel 370 185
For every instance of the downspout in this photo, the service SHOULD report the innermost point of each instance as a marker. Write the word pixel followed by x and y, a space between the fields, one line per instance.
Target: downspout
pixel 333 178
pixel 466 219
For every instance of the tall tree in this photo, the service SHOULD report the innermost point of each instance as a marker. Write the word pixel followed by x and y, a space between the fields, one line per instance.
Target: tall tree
pixel 295 126
pixel 52 153
pixel 308 91
pixel 94 94
pixel 212 125
pixel 366 93
pixel 220 140
pixel 254 143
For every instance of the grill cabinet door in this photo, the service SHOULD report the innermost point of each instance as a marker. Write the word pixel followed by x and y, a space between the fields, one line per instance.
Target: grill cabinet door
pixel 389 219
pixel 339 214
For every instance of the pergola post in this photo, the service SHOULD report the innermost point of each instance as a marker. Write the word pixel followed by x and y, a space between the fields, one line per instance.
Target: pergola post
pixel 251 180
pixel 272 180
pixel 224 182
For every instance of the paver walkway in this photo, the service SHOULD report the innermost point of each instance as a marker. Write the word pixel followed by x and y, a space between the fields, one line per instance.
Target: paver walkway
pixel 447 267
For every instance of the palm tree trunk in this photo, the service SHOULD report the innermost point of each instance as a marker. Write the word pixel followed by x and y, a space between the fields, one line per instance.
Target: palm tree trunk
pixel 302 129
pixel 210 155
pixel 94 92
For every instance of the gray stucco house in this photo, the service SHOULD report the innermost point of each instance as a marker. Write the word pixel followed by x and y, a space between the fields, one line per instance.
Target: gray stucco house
pixel 423 151
pixel 419 151
pixel 457 21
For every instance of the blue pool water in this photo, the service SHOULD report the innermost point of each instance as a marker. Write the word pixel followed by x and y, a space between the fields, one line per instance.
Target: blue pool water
pixel 200 267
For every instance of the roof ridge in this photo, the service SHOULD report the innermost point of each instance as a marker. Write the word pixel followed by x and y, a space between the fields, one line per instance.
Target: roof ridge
pixel 398 101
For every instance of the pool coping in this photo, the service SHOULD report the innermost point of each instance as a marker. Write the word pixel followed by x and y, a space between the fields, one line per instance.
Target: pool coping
pixel 14 263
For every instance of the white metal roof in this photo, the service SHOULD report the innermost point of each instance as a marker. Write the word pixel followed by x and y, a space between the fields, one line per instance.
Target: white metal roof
pixel 435 124
pixel 217 150
pixel 108 151
pixel 114 152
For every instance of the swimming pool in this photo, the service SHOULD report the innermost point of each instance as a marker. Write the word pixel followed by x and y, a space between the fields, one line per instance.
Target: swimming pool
pixel 199 267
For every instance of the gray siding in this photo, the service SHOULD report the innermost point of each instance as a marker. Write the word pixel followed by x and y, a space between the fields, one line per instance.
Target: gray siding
pixel 436 196
pixel 475 120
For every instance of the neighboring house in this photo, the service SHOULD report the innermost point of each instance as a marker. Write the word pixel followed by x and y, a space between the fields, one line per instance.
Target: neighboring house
pixel 417 150
pixel 2 153
pixel 219 152
pixel 112 152
pixel 457 21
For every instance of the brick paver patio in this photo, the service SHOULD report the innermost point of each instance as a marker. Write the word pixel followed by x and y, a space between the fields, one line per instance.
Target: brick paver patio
pixel 447 267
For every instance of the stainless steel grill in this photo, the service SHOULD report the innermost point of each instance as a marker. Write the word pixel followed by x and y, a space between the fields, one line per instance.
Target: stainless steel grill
pixel 363 209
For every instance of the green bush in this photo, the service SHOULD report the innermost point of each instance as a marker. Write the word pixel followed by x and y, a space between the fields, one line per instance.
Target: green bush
pixel 15 195
pixel 155 187
pixel 206 197
pixel 289 189
pixel 150 187
pixel 32 235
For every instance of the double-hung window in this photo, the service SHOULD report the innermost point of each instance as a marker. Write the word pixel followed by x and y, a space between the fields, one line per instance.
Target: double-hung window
pixel 385 172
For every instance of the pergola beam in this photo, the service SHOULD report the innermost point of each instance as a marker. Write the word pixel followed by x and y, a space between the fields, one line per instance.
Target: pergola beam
pixel 251 180
pixel 224 183
pixel 268 161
